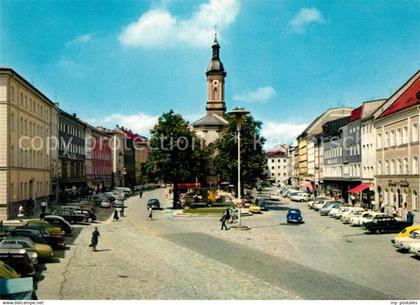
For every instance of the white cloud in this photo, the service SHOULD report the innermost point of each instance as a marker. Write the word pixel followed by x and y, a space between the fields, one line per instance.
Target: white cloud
pixel 259 95
pixel 159 28
pixel 305 17
pixel 138 122
pixel 281 132
pixel 80 39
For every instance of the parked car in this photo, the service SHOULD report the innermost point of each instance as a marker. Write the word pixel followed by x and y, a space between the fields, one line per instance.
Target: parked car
pixel 70 216
pixel 341 211
pixel 415 249
pixel 33 256
pixel 45 224
pixel 89 215
pixel 263 205
pixel 324 202
pixel 19 260
pixel 125 190
pixel 7 272
pixel 54 240
pixel 385 224
pixel 356 211
pixel 118 203
pixel 405 232
pixel 359 220
pixel 105 204
pixel 327 208
pixel 254 208
pixel 316 200
pixel 43 251
pixel 299 196
pixel 275 196
pixel 403 243
pixel 294 216
pixel 59 221
pixel 153 203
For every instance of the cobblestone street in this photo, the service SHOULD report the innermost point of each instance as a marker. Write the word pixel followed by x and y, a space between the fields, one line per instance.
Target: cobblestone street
pixel 190 258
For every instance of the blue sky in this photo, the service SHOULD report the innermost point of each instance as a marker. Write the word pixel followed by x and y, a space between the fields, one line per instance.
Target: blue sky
pixel 287 61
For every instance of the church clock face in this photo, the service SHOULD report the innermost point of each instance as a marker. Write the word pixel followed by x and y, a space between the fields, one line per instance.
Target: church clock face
pixel 215 83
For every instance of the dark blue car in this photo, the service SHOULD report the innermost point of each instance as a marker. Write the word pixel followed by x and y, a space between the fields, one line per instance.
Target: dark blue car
pixel 153 203
pixel 294 216
pixel 264 206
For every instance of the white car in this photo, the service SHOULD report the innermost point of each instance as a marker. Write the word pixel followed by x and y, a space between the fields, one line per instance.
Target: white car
pixel 364 218
pixel 356 211
pixel 275 196
pixel 299 196
pixel 404 243
pixel 415 249
pixel 105 204
pixel 315 200
pixel 358 220
pixel 337 214
pixel 324 203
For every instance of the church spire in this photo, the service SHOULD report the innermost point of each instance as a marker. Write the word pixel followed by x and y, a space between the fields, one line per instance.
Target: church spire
pixel 215 47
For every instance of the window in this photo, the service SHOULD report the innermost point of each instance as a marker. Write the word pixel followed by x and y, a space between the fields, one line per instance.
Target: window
pixel 392 167
pixel 405 135
pixel 386 167
pixel 414 165
pixel 414 133
pixel 405 166
pixel 398 137
pixel 392 138
pixel 379 141
pixel 399 167
pixel 12 93
pixel 386 139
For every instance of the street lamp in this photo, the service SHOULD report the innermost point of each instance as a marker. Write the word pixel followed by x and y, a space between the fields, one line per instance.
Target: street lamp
pixel 238 113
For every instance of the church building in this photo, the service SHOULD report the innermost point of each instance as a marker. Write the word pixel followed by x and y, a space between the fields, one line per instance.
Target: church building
pixel 210 128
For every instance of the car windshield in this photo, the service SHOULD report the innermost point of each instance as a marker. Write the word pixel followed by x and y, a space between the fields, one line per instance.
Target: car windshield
pixel 294 211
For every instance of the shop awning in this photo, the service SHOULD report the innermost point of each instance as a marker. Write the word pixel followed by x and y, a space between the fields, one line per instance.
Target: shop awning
pixel 359 188
pixel 308 185
pixel 189 186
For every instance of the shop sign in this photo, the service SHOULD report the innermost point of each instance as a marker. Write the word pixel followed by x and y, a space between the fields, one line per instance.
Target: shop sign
pixel 402 183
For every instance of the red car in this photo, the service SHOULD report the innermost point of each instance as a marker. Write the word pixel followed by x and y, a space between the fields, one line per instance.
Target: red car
pixel 19 260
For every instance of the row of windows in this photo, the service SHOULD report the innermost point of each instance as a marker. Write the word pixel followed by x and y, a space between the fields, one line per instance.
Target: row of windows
pixel 29 189
pixel 400 198
pixel 30 104
pixel 279 160
pixel 333 152
pixel 28 158
pixel 72 148
pixel 366 129
pixel 398 136
pixel 28 127
pixel 398 166
pixel 70 129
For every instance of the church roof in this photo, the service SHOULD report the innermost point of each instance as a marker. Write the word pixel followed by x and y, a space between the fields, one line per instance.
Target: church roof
pixel 210 120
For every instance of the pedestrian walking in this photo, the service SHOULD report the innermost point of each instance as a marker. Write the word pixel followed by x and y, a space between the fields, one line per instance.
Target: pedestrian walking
pixel 223 220
pixel 122 210
pixel 43 206
pixel 141 194
pixel 116 218
pixel 21 213
pixel 410 218
pixel 150 213
pixel 95 239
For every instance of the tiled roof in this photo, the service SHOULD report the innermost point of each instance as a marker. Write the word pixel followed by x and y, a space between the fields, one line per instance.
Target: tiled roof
pixel 210 120
pixel 408 98
pixel 356 114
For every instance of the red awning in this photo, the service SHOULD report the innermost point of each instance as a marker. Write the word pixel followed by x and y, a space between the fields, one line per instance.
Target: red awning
pixel 189 185
pixel 308 185
pixel 359 188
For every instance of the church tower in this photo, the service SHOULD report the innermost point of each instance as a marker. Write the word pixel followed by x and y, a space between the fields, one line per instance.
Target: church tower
pixel 211 127
pixel 216 83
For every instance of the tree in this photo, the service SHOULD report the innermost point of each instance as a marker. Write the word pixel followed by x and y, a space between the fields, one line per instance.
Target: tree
pixel 253 159
pixel 176 154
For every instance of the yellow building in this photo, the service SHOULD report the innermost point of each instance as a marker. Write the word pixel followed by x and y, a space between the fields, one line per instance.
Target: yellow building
pixel 26 121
